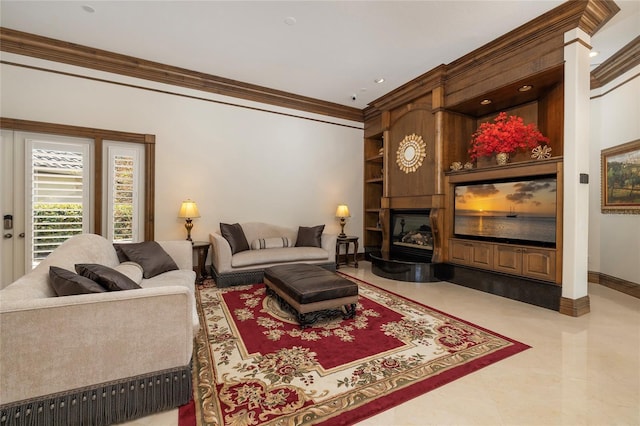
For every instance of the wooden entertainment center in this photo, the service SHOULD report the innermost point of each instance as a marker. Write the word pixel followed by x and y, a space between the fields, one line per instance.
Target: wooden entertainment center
pixel 521 73
pixel 522 260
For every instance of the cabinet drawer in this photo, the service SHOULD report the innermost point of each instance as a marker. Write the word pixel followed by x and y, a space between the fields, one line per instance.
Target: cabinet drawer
pixel 460 252
pixel 508 259
pixel 482 255
pixel 539 263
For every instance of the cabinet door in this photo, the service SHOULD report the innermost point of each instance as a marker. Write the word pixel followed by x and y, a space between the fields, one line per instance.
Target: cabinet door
pixel 460 252
pixel 508 259
pixel 482 255
pixel 539 263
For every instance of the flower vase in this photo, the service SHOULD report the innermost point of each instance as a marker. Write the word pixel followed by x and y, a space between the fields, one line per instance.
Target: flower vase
pixel 502 158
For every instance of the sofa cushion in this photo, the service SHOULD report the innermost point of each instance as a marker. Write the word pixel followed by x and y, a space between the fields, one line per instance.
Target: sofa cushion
pixel 148 254
pixel 67 283
pixel 275 255
pixel 309 236
pixel 268 243
pixel 235 236
pixel 108 278
pixel 132 270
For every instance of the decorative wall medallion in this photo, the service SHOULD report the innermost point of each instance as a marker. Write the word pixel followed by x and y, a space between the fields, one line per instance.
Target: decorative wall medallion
pixel 411 153
pixel 541 152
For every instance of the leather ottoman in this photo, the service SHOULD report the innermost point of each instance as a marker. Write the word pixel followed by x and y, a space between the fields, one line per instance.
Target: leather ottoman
pixel 311 292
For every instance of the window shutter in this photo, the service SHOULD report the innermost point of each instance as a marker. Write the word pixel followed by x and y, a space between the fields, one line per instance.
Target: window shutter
pixel 59 195
pixel 123 192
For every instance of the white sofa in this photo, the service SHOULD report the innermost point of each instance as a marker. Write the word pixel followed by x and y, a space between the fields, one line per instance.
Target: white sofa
pixel 96 358
pixel 247 267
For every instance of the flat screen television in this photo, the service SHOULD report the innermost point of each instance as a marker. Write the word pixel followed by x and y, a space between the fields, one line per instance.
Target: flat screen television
pixel 516 211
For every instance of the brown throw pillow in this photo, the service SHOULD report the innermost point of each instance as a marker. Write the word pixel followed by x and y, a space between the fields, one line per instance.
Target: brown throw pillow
pixel 107 277
pixel 67 283
pixel 235 236
pixel 309 236
pixel 150 255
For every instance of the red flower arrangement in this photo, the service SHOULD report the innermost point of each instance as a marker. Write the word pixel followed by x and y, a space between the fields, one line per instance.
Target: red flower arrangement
pixel 506 134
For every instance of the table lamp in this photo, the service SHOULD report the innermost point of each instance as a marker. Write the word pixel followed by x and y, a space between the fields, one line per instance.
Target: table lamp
pixel 342 212
pixel 188 210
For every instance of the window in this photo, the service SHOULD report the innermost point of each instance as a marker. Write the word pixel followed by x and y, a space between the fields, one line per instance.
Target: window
pixel 124 193
pixel 58 180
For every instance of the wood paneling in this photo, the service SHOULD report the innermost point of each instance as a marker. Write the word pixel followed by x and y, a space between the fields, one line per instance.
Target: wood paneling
pixel 551 118
pixel 506 74
pixel 505 96
pixel 529 168
pixel 415 118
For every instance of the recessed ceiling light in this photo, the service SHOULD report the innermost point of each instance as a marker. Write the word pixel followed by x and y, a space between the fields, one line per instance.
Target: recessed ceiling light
pixel 379 80
pixel 525 88
pixel 290 20
pixel 88 8
pixel 593 53
pixel 485 102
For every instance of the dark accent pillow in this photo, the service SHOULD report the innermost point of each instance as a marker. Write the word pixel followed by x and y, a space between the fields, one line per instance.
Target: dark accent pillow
pixel 310 236
pixel 107 277
pixel 148 254
pixel 67 283
pixel 235 236
pixel 121 256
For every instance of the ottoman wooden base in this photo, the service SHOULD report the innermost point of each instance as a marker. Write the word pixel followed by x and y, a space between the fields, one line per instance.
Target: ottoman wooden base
pixel 311 293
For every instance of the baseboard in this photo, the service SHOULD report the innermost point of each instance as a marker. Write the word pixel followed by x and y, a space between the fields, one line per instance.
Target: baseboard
pixel 575 307
pixel 623 286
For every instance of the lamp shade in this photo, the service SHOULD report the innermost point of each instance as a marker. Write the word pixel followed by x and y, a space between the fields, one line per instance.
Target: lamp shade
pixel 189 209
pixel 342 211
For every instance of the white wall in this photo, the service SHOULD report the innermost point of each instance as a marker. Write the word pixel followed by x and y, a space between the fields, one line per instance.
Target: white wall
pixel 614 239
pixel 238 164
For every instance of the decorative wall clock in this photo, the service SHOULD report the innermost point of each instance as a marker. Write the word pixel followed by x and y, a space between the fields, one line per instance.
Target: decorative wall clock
pixel 411 153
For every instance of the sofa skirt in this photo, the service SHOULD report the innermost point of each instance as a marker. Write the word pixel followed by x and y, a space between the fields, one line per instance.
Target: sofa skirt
pixel 104 404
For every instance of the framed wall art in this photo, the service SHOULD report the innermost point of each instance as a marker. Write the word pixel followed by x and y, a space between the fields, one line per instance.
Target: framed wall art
pixel 620 178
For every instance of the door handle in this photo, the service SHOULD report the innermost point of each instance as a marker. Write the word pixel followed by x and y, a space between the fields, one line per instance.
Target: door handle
pixel 21 235
pixel 7 236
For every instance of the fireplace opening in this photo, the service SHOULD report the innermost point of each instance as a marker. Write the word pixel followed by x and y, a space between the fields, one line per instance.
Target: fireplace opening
pixel 411 235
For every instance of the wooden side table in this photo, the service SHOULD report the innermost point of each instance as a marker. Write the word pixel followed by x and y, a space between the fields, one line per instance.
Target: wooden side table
pixel 346 241
pixel 202 249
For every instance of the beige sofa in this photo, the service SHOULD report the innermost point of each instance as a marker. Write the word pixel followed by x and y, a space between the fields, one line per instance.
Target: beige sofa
pixel 96 358
pixel 247 267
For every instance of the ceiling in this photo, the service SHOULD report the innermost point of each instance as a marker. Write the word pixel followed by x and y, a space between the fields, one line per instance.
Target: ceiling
pixel 328 50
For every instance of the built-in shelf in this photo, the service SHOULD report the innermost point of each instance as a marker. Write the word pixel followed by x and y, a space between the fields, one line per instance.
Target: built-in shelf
pixel 373 191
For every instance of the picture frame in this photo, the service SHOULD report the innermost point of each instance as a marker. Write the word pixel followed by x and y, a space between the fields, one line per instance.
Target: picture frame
pixel 620 178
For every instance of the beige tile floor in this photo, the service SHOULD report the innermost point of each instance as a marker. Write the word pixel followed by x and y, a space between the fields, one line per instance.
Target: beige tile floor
pixel 579 371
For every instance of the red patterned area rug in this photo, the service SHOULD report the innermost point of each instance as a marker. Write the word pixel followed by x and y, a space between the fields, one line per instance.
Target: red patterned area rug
pixel 253 365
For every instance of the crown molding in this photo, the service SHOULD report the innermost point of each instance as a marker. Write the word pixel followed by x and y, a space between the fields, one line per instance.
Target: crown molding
pixel 33 45
pixel 414 89
pixel 622 61
pixel 588 15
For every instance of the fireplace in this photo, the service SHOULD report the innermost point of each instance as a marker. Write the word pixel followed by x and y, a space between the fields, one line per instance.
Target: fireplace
pixel 412 242
pixel 411 236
